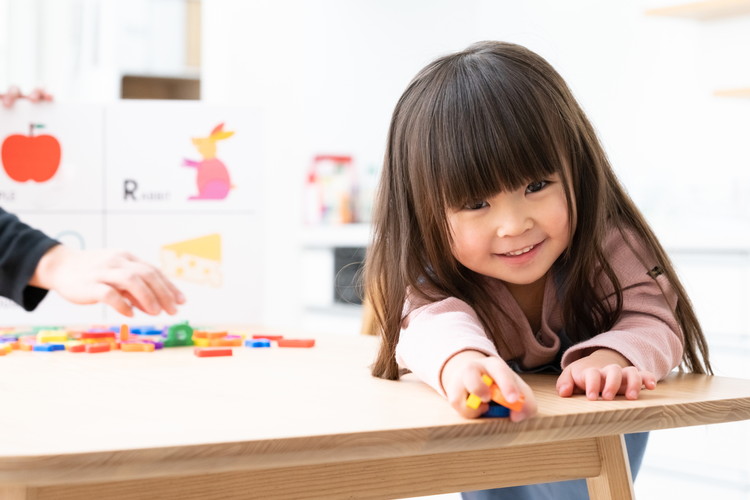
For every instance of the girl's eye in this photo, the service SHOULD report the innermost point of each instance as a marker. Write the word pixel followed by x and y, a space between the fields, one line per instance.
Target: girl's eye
pixel 476 205
pixel 536 186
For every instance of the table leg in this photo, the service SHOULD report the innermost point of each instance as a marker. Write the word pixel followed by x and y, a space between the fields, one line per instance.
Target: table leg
pixel 17 493
pixel 615 481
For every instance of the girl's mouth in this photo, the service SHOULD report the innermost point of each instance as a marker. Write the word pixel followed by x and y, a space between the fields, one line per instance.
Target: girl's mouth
pixel 521 251
pixel 522 256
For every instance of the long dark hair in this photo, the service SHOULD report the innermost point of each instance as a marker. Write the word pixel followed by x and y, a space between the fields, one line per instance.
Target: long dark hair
pixel 472 124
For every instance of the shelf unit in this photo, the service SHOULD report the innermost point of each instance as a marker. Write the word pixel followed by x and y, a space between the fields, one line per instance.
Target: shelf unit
pixel 320 275
pixel 352 235
pixel 160 87
pixel 709 10
pixel 743 92
pixel 704 11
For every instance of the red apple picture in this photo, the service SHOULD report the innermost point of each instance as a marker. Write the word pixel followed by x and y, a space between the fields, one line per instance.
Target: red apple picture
pixel 30 157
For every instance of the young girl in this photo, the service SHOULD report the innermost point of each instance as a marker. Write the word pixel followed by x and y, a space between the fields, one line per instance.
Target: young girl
pixel 504 243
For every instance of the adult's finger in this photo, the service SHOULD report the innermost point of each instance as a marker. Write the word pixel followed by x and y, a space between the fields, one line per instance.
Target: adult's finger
pixel 117 301
pixel 126 281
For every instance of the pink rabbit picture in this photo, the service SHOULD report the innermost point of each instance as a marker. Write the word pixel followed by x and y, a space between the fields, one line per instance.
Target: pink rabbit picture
pixel 212 176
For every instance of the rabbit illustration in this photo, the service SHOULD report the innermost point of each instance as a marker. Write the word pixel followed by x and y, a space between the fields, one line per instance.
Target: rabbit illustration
pixel 213 176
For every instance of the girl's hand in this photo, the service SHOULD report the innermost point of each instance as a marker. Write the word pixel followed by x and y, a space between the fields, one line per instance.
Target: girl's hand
pixel 462 375
pixel 604 372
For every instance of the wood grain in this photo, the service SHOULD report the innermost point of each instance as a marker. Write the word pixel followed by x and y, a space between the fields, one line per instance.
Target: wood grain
pixel 80 421
pixel 615 480
pixel 395 478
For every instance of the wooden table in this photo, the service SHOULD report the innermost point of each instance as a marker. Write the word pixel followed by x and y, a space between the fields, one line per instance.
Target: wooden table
pixel 304 423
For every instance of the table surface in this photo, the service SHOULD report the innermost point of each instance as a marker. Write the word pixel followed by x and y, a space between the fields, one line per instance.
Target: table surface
pixel 70 418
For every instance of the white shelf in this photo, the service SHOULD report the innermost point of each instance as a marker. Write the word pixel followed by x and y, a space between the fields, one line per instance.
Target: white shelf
pixel 343 235
pixel 738 92
pixel 710 234
pixel 704 11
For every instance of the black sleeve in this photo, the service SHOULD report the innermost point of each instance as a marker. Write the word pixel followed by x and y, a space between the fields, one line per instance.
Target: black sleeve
pixel 21 247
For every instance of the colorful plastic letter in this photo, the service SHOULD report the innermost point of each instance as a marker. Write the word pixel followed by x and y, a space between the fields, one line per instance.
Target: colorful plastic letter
pixel 137 347
pixel 295 342
pixel 209 353
pixel 258 343
pixel 100 347
pixel 179 335
pixel 473 401
pixel 124 333
pixel 268 337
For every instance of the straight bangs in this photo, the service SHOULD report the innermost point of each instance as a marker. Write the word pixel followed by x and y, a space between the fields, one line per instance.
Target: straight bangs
pixel 490 131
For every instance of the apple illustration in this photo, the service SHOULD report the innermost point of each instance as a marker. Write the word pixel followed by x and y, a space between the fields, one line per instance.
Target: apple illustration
pixel 30 157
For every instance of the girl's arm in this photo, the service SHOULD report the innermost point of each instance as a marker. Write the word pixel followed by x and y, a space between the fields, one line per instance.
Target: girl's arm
pixel 434 333
pixel 444 345
pixel 643 345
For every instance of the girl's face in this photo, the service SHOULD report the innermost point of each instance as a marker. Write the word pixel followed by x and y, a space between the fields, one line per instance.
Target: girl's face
pixel 514 236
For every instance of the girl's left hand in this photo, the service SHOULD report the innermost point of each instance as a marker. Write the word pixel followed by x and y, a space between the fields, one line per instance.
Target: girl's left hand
pixel 604 372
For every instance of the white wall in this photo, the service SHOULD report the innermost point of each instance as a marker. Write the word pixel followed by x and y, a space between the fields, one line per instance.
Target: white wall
pixel 79 49
pixel 328 73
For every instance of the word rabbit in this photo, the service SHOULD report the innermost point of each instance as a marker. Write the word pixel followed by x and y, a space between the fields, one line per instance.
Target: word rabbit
pixel 213 176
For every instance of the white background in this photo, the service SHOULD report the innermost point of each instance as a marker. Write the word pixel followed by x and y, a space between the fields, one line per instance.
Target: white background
pixel 326 74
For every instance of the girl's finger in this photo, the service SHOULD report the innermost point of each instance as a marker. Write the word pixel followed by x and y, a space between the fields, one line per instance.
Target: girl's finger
pixel 529 406
pixel 565 384
pixel 632 381
pixel 612 381
pixel 592 383
pixel 473 384
pixel 457 397
pixel 649 380
pixel 506 381
pixel 466 411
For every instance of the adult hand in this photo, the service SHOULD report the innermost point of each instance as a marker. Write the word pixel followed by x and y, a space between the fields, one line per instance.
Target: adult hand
pixel 112 277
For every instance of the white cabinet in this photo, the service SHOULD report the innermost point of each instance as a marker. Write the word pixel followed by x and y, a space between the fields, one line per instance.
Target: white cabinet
pixel 331 259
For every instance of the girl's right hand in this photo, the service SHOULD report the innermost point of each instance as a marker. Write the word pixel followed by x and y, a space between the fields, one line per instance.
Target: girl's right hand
pixel 462 375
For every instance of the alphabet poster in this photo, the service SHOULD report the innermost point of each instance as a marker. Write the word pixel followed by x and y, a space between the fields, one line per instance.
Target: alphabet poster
pixel 176 183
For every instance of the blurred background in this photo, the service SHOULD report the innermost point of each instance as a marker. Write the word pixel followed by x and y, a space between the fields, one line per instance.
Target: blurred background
pixel 666 84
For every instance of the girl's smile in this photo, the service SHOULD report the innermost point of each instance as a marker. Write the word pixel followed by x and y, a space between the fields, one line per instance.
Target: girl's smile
pixel 521 256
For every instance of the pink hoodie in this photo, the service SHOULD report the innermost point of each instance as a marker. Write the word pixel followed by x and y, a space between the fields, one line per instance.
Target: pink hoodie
pixel 646 333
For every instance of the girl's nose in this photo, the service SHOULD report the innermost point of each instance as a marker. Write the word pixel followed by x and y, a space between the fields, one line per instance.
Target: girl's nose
pixel 513 223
